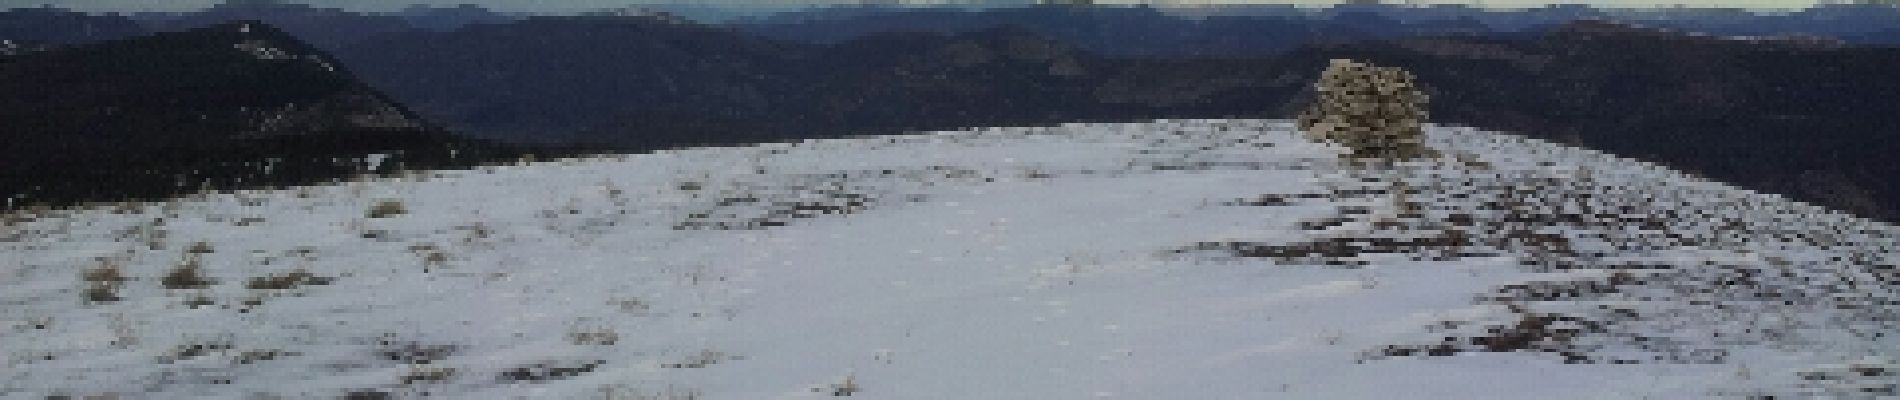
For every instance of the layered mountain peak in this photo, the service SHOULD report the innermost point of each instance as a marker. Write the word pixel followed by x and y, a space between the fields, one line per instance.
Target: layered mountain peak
pixel 354 107
pixel 226 79
pixel 156 115
pixel 266 42
pixel 328 28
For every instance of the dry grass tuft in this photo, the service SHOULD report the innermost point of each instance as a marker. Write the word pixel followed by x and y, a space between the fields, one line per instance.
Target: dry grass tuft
pixel 196 349
pixel 426 373
pixel 594 337
pixel 433 256
pixel 103 283
pixel 187 275
pixel 846 388
pixel 386 209
pixel 287 281
pixel 543 372
pixel 257 356
pixel 199 248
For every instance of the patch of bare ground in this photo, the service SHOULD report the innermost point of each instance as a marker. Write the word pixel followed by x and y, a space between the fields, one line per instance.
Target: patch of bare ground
pixel 762 206
pixel 287 281
pixel 702 359
pixel 548 371
pixel 103 282
pixel 1639 273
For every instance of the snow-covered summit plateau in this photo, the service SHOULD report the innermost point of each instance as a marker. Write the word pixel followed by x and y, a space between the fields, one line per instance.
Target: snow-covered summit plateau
pixel 1198 259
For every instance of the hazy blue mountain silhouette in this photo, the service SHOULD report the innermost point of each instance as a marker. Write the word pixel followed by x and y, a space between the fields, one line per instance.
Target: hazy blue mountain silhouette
pixel 1121 31
pixel 58 27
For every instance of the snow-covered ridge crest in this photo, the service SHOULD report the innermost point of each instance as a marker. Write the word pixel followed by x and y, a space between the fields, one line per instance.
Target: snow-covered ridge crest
pixel 1170 259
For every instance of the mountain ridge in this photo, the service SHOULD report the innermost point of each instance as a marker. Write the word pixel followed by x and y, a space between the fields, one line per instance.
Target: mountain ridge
pixel 234 105
pixel 1663 95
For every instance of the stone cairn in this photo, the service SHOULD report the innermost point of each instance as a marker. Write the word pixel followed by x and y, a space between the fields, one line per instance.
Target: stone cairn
pixel 1376 112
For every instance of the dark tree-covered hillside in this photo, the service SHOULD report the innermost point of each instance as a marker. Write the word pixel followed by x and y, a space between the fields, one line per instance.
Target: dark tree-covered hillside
pixel 227 106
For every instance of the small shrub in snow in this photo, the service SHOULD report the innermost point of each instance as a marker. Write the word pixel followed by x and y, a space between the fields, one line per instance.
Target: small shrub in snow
pixel 194 350
pixel 846 388
pixel 593 337
pixel 1375 111
pixel 434 260
pixel 199 301
pixel 199 248
pixel 426 373
pixel 257 356
pixel 386 209
pixel 368 394
pixel 103 283
pixel 631 305
pixel 433 257
pixel 187 275
pixel 411 352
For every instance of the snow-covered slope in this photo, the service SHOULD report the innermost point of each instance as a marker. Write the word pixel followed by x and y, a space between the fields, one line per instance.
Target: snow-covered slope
pixel 1202 259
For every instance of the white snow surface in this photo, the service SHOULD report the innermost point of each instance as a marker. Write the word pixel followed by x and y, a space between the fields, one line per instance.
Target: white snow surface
pixel 996 263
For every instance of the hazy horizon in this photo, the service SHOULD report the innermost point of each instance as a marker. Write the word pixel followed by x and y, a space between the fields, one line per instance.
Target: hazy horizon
pixel 558 6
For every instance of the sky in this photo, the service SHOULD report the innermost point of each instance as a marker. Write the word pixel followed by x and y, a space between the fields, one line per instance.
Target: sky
pixel 571 5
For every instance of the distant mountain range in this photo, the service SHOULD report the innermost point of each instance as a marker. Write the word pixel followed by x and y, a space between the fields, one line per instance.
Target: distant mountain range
pixel 544 79
pixel 1109 30
pixel 1030 261
pixel 227 106
pixel 1114 31
pixel 1268 29
pixel 1796 115
pixel 1801 117
pixel 650 83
